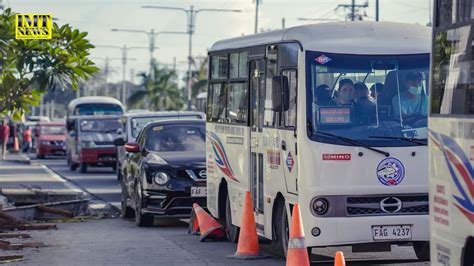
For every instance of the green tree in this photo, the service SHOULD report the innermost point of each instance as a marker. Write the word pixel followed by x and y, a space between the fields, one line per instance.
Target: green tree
pixel 29 68
pixel 161 91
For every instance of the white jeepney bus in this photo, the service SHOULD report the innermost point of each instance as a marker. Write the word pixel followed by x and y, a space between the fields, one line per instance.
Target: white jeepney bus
pixel 290 119
pixel 452 135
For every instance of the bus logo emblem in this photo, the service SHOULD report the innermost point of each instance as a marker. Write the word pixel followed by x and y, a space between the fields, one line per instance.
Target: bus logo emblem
pixel 290 162
pixel 322 59
pixel 390 172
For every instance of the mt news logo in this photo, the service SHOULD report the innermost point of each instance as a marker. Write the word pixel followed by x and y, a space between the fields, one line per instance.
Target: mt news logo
pixel 33 26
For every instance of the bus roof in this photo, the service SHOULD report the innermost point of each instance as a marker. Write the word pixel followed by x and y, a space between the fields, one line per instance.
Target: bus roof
pixel 362 37
pixel 93 99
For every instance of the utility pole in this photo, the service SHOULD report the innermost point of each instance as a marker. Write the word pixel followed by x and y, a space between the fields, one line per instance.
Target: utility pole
pixel 132 75
pixel 124 49
pixel 283 23
pixel 377 10
pixel 151 42
pixel 257 4
pixel 354 10
pixel 106 73
pixel 191 18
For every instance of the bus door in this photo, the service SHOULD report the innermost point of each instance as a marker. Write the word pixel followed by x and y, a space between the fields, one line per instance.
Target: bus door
pixel 257 94
pixel 288 132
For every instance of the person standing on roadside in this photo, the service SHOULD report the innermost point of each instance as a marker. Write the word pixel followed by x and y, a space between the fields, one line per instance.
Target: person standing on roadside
pixel 4 134
pixel 27 139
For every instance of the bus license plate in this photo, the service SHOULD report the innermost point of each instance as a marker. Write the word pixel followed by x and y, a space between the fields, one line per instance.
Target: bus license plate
pixel 198 192
pixel 390 232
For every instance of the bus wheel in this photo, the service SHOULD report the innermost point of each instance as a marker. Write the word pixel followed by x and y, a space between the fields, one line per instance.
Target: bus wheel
pixel 422 250
pixel 468 257
pixel 231 230
pixel 282 229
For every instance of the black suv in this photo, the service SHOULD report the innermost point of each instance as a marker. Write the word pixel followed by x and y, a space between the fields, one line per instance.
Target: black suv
pixel 166 171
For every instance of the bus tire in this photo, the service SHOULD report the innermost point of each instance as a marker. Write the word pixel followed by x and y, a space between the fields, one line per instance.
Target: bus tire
pixel 282 230
pixel 468 252
pixel 231 231
pixel 422 250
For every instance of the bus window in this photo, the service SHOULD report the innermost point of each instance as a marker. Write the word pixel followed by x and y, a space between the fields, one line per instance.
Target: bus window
pixel 451 93
pixel 219 66
pixel 238 65
pixel 98 109
pixel 217 104
pixel 270 117
pixel 289 116
pixel 237 101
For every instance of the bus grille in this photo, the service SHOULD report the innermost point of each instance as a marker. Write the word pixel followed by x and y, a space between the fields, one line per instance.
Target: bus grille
pixel 372 206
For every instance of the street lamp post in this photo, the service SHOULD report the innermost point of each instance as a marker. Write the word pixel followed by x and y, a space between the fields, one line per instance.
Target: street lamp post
pixel 191 17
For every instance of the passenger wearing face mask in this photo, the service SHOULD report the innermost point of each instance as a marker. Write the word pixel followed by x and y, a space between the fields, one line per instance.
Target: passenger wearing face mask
pixel 412 101
pixel 345 92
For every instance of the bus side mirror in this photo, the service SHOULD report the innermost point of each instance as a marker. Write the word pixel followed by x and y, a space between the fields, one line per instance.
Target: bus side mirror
pixel 280 94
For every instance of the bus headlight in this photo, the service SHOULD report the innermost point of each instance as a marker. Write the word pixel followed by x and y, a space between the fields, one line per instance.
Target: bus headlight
pixel 319 206
pixel 161 178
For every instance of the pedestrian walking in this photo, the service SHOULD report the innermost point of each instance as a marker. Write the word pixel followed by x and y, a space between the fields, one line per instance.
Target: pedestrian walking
pixel 4 134
pixel 27 140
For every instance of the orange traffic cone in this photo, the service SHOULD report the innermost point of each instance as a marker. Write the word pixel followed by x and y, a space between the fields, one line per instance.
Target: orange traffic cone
pixel 339 259
pixel 193 224
pixel 210 228
pixel 247 247
pixel 16 146
pixel 297 254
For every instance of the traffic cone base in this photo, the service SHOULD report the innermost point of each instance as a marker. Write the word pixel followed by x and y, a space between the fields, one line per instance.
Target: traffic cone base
pixel 193 224
pixel 208 226
pixel 297 254
pixel 247 246
pixel 16 145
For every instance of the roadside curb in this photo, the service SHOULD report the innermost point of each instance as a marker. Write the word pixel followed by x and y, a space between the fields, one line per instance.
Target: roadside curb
pixel 96 204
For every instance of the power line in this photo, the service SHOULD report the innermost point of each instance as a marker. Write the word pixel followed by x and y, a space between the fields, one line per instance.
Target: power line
pixel 354 10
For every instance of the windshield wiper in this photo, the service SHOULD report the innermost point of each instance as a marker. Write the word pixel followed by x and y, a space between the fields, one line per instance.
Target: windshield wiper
pixel 418 142
pixel 355 142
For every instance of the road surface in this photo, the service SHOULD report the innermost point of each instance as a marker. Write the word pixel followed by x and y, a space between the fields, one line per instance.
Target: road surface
pixel 118 241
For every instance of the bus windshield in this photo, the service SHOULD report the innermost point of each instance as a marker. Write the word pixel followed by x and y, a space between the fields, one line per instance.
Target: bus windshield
pixel 53 130
pixel 98 109
pixel 102 125
pixel 376 100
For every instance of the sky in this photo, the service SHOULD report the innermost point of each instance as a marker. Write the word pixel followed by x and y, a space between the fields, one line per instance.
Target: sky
pixel 98 17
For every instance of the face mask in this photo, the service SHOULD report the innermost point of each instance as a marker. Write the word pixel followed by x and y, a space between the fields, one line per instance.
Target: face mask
pixel 415 90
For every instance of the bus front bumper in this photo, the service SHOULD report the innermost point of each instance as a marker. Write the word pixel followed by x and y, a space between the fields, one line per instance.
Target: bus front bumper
pixel 360 230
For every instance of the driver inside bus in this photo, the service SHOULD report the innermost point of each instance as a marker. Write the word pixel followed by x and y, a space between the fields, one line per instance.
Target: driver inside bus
pixel 411 101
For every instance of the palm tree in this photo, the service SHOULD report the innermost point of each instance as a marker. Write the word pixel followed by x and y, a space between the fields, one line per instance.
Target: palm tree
pixel 200 80
pixel 161 90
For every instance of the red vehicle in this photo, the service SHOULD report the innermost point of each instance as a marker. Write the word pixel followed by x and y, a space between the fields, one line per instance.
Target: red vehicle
pixel 50 139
